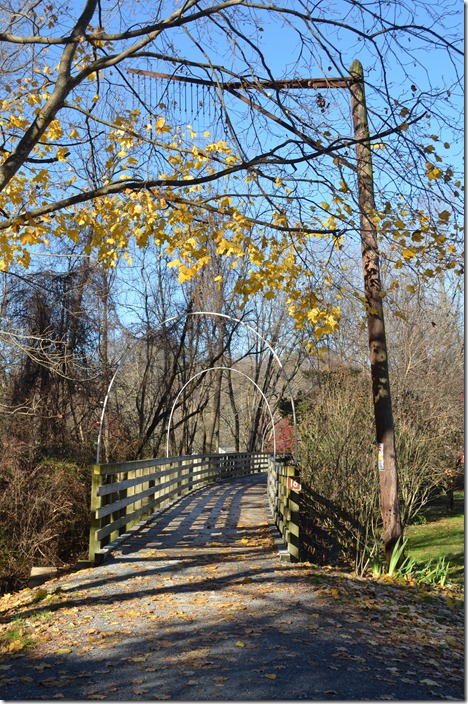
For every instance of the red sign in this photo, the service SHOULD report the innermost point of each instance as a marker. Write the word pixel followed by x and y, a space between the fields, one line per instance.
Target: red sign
pixel 294 484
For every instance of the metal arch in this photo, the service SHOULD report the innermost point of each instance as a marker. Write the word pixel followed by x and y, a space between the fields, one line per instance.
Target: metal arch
pixel 210 369
pixel 179 317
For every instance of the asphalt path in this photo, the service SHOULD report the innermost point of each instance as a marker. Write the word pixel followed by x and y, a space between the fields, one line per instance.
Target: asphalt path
pixel 198 606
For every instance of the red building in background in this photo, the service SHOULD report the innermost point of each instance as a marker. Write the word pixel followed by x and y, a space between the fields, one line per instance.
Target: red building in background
pixel 284 430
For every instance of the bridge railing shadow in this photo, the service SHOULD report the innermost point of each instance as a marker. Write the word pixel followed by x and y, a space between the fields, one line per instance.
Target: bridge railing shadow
pixel 125 494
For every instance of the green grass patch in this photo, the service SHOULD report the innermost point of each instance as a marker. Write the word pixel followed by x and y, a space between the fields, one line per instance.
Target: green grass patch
pixel 440 533
pixel 16 637
pixel 22 633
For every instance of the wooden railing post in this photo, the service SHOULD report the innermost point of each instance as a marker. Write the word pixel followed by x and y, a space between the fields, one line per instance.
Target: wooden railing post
pixel 94 523
pixel 293 516
pixel 284 499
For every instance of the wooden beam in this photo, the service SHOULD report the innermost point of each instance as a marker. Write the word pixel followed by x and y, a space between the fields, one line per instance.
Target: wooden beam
pixel 244 84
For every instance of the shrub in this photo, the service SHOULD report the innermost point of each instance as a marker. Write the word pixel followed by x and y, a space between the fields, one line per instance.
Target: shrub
pixel 44 513
pixel 337 451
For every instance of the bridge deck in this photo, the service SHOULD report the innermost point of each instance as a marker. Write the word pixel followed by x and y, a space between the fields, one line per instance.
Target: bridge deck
pixel 197 606
pixel 228 514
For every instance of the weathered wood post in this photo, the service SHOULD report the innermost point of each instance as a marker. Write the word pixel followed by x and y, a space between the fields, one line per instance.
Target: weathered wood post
pixel 385 433
pixel 94 523
pixel 293 537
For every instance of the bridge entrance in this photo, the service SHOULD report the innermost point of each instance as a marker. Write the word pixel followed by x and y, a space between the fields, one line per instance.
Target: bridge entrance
pixel 126 496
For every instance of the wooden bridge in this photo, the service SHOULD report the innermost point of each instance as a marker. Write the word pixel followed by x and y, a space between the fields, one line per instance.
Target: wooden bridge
pixel 128 494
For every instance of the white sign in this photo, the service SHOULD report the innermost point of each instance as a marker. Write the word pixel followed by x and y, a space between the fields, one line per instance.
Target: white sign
pixel 380 459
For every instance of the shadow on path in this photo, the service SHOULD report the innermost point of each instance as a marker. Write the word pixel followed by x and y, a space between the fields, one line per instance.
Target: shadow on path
pixel 197 607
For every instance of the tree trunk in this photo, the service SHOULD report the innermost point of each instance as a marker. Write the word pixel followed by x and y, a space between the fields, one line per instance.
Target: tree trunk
pixel 387 464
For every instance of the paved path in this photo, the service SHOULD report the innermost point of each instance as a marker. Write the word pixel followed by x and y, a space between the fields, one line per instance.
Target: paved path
pixel 198 606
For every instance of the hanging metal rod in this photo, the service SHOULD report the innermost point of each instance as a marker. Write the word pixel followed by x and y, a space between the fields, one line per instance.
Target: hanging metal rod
pixel 246 84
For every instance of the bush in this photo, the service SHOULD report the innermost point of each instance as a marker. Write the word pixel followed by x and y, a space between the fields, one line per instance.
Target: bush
pixel 338 457
pixel 44 511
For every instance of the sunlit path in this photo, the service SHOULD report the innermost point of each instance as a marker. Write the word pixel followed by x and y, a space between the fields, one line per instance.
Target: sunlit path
pixel 197 606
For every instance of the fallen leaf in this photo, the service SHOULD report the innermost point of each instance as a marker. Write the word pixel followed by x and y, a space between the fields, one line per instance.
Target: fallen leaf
pixel 15 646
pixel 240 644
pixel 271 676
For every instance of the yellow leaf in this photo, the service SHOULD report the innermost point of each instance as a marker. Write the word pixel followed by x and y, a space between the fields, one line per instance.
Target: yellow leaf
pixel 29 237
pixel 271 676
pixel 15 646
pixel 240 644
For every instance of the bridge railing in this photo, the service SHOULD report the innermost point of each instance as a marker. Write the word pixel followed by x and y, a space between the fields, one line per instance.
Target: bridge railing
pixel 284 500
pixel 123 495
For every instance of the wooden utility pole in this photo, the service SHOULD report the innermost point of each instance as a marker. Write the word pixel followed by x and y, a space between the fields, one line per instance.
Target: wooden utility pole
pixel 387 462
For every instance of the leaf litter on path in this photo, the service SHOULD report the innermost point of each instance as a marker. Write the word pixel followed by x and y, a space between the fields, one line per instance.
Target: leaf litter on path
pixel 313 632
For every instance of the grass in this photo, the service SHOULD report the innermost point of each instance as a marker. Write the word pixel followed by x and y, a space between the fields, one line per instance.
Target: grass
pixel 19 635
pixel 441 534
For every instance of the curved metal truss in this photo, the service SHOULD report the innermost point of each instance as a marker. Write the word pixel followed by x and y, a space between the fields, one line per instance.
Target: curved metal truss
pixel 220 368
